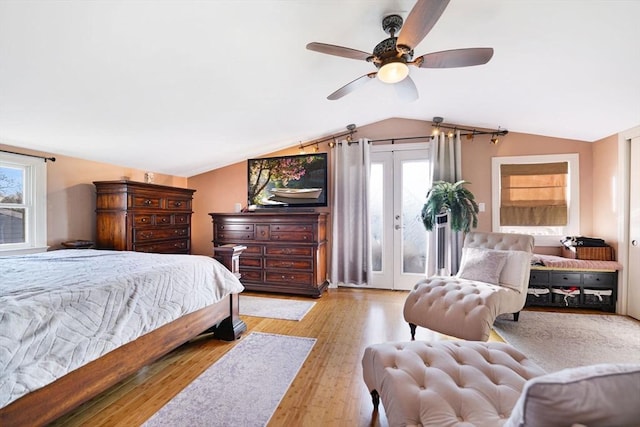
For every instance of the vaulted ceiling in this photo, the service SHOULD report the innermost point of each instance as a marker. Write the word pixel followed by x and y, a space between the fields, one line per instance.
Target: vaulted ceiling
pixel 182 87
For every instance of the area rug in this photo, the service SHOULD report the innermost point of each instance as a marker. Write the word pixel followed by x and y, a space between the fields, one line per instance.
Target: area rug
pixel 275 308
pixel 556 341
pixel 243 388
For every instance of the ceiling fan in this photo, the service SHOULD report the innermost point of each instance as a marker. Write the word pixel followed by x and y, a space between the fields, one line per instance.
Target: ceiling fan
pixel 393 55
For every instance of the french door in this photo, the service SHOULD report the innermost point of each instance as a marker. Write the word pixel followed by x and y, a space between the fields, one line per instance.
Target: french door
pixel 400 179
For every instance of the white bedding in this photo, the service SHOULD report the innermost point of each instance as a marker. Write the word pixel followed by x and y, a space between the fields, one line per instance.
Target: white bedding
pixel 62 309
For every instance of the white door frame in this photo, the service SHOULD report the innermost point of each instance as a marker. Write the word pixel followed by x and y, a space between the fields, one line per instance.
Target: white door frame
pixel 624 152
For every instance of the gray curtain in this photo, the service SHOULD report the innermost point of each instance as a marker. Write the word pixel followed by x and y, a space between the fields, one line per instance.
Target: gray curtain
pixel 446 163
pixel 350 254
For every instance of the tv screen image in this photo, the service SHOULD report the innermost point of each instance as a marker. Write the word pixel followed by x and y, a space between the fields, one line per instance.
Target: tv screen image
pixel 288 181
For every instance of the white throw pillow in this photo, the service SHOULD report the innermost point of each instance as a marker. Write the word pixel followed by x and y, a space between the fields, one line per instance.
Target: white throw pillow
pixel 515 274
pixel 483 265
pixel 603 395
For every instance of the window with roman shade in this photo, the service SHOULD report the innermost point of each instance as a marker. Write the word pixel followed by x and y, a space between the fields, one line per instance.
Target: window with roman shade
pixel 534 194
pixel 537 195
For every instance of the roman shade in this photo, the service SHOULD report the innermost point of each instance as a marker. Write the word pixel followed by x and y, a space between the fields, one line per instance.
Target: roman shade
pixel 534 194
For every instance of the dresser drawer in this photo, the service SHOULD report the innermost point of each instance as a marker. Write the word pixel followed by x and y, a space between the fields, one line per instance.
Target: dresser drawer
pixel 291 236
pixel 250 262
pixel 181 218
pixel 171 247
pixel 143 201
pixel 538 276
pixel 250 275
pixel 289 277
pixel 234 227
pixel 178 203
pixel 140 219
pixel 141 235
pixel 294 228
pixel 603 280
pixel 291 263
pixel 231 236
pixel 565 279
pixel 304 251
pixel 163 219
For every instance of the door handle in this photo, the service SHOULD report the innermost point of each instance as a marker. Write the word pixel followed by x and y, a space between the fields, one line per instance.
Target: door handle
pixel 634 242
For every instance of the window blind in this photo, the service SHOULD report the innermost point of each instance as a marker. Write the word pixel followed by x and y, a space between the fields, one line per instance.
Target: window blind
pixel 534 194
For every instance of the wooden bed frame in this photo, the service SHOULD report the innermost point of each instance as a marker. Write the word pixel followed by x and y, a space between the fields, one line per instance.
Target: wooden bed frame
pixel 66 393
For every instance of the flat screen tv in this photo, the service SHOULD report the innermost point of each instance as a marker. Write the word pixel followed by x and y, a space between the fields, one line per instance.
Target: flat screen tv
pixel 288 181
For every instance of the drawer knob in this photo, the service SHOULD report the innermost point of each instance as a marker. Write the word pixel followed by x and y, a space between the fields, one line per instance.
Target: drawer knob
pixel 143 220
pixel 178 204
pixel 147 202
pixel 164 219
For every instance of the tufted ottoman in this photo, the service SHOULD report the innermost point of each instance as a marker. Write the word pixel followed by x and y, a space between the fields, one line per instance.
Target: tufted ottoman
pixel 446 383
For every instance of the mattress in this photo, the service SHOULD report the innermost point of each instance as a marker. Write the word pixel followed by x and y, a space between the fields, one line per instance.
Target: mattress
pixel 62 309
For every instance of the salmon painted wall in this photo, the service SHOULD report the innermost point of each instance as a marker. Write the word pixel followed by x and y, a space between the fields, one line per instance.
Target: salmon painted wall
pixel 476 168
pixel 226 186
pixel 71 195
pixel 605 188
pixel 218 190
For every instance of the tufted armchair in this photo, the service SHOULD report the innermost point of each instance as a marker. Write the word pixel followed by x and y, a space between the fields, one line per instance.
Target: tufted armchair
pixel 492 280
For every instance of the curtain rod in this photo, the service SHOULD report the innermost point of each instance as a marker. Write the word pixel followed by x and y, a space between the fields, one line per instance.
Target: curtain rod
pixel 53 159
pixel 351 129
pixel 470 133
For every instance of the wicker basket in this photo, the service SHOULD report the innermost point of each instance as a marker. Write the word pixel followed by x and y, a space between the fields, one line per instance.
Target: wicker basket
pixel 597 253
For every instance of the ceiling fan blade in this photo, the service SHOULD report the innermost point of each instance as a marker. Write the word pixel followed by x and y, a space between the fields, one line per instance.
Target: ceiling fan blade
pixel 351 86
pixel 331 49
pixel 420 21
pixel 455 58
pixel 406 89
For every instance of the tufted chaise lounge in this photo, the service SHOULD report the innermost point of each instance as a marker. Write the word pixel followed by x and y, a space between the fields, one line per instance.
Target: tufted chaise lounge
pixel 493 279
pixel 446 383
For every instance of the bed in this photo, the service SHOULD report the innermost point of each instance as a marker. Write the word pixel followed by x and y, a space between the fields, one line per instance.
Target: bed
pixel 75 322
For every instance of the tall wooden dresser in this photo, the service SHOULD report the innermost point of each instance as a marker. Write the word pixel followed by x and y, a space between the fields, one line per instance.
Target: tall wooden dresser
pixel 134 216
pixel 286 252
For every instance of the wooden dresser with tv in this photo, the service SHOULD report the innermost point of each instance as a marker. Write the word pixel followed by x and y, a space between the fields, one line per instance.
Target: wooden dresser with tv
pixel 286 251
pixel 135 216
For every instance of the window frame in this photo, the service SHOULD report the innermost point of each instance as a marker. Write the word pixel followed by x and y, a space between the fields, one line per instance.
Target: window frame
pixel 34 202
pixel 573 197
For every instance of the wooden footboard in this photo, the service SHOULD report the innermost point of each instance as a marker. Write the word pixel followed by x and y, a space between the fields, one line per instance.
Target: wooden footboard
pixel 48 403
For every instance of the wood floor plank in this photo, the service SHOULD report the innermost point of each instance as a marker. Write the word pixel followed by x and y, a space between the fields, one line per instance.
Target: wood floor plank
pixel 328 390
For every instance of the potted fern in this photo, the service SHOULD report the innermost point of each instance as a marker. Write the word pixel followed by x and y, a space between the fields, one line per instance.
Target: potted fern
pixel 453 198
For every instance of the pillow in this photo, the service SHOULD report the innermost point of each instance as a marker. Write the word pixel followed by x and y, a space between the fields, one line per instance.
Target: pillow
pixel 515 274
pixel 596 396
pixel 483 265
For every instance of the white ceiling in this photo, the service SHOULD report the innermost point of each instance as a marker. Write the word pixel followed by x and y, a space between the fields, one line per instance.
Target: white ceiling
pixel 182 87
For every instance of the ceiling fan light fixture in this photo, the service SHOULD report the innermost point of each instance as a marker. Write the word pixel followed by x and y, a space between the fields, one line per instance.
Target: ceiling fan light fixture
pixel 393 71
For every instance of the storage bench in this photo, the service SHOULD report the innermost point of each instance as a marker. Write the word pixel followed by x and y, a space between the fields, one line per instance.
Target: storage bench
pixel 563 282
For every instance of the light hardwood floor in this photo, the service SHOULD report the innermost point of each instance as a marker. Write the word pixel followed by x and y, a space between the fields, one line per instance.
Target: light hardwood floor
pixel 328 391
